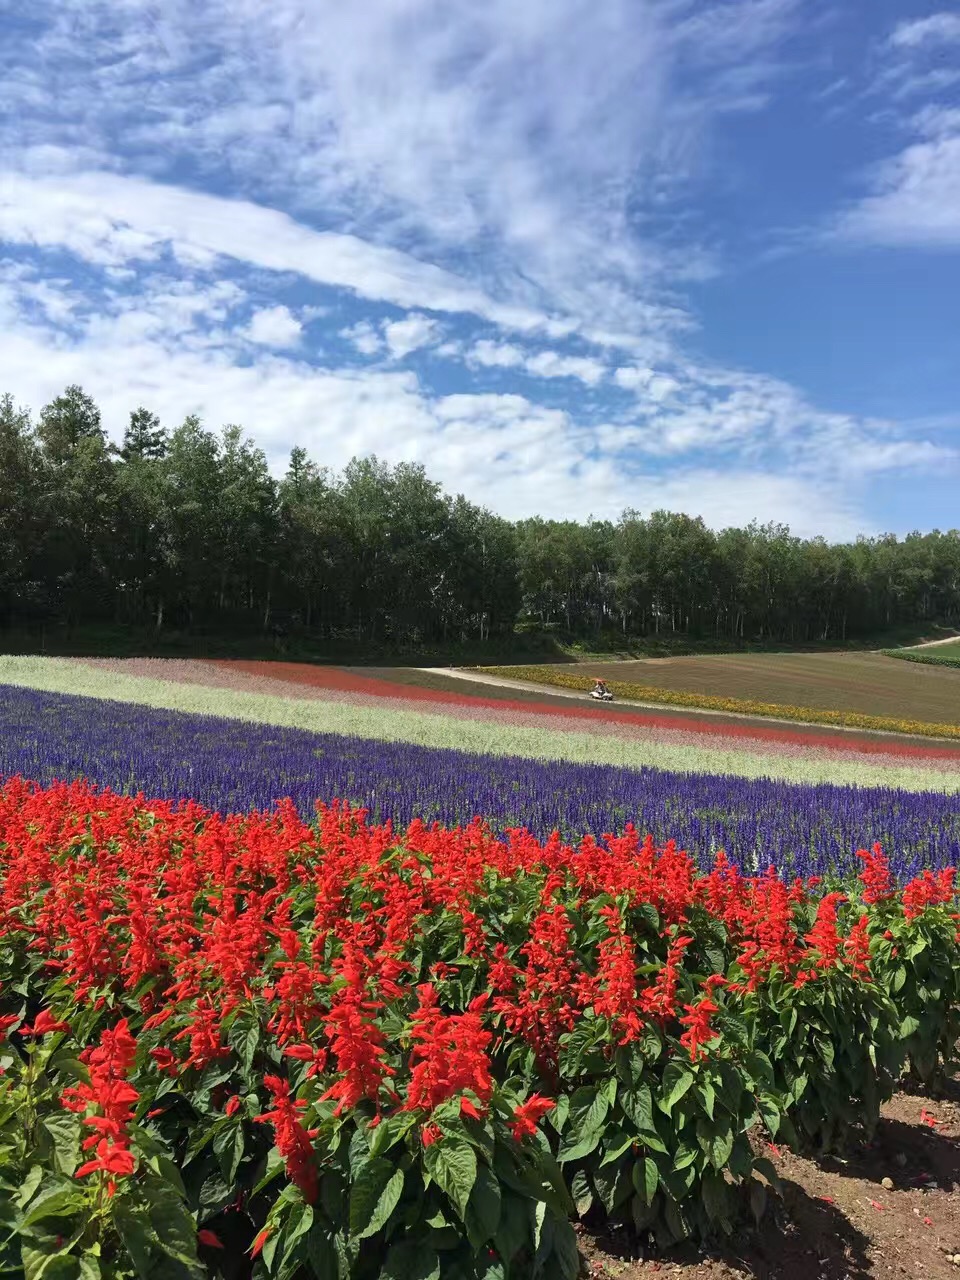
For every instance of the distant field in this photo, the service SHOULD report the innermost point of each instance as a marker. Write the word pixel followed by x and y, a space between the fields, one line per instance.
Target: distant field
pixel 867 683
pixel 932 655
pixel 949 650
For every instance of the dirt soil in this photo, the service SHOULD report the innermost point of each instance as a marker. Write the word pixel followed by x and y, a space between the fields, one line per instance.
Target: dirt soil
pixel 890 1208
pixel 871 683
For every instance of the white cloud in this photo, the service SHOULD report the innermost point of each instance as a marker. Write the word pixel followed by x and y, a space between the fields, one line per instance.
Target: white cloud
pixel 466 162
pixel 540 364
pixel 550 364
pixel 915 199
pixel 275 327
pixel 524 135
pixel 364 337
pixel 647 383
pixel 937 28
pixel 495 355
pixel 410 334
pixel 725 445
pixel 110 220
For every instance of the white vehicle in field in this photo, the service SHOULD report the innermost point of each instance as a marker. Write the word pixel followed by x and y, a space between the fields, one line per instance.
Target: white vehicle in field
pixel 600 692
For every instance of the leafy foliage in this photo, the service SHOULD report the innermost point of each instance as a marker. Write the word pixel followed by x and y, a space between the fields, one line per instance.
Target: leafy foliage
pixel 333 1051
pixel 187 528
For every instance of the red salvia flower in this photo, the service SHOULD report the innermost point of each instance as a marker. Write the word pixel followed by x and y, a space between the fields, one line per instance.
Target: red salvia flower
pixel 292 1140
pixel 875 876
pixel 527 1115
pixel 698 1032
pixel 823 937
pixel 109 1101
pixel 44 1024
pixel 449 1053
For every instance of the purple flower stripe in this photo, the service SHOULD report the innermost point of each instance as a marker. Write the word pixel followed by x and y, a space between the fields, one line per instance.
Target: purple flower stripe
pixel 234 765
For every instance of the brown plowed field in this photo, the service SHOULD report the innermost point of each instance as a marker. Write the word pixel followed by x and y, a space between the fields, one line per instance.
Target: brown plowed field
pixel 866 682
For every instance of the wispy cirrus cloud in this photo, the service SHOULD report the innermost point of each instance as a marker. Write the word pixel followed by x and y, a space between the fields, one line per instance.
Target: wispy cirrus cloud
pixel 935 29
pixel 480 206
pixel 913 197
pixel 438 126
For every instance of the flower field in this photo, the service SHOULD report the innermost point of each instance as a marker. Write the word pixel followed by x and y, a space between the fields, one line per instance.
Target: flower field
pixel 337 1050
pixel 377 710
pixel 310 976
pixel 857 690
pixel 233 765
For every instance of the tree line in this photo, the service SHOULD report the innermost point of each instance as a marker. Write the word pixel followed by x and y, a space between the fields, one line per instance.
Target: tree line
pixel 187 528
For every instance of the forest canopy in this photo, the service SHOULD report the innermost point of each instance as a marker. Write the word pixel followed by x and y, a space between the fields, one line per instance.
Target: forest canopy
pixel 187 527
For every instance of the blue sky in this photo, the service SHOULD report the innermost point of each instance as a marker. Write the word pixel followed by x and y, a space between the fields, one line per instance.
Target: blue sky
pixel 572 255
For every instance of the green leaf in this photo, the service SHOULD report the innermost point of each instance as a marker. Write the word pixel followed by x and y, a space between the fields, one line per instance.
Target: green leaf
pixel 716 1197
pixel 720 1146
pixel 452 1163
pixel 64 1128
pixel 321 1255
pixel 29 1185
pixel 299 1223
pixel 136 1235
pixel 588 1110
pixel 677 1079
pixel 391 1130
pixel 685 1154
pixel 762 1165
pixel 637 1106
pixel 650 916
pixel 581 1192
pixel 707 1095
pixel 229 1147
pixel 615 1143
pixel 175 1228
pixel 558 1116
pixel 613 1183
pixel 483 1208
pixel 374 1196
pixel 565 1251
pixel 54 1200
pixel 646 1179
pixel 676 1220
pixel 909 1026
pixel 758 1200
pixel 770 1112
pixel 244 1039
pixel 215 1194
pixel 45 1261
pixel 411 1260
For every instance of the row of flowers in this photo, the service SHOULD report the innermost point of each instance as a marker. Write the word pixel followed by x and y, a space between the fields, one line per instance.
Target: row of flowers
pixel 553 675
pixel 255 1045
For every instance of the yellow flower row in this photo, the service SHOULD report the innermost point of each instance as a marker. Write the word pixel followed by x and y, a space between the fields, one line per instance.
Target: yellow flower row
pixel 735 706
